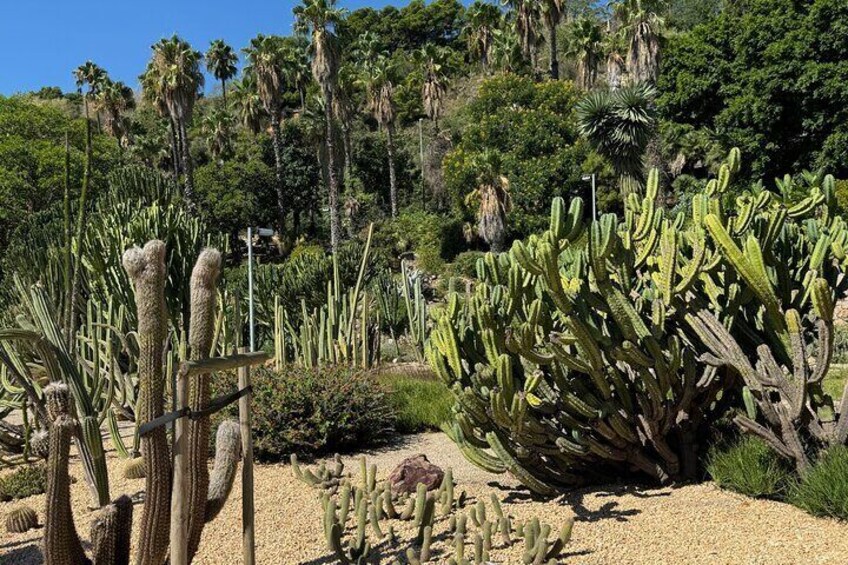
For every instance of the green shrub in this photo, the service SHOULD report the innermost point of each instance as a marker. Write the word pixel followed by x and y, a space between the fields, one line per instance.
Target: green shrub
pixel 25 481
pixel 840 344
pixel 420 401
pixel 465 264
pixel 823 491
pixel 313 412
pixel 749 466
pixel 434 239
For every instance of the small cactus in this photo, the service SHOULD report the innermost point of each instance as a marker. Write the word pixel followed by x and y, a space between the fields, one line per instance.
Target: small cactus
pixel 134 468
pixel 21 519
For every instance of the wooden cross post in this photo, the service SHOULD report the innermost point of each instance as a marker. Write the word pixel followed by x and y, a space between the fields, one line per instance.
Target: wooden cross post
pixel 247 510
pixel 179 496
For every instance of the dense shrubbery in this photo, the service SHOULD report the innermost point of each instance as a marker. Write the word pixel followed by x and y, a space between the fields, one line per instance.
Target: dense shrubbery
pixel 433 239
pixel 25 481
pixel 313 412
pixel 532 127
pixel 749 466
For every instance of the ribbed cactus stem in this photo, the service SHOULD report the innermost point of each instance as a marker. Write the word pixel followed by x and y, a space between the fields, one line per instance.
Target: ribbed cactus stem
pixel 204 290
pixel 111 530
pixel 61 543
pixel 146 269
pixel 21 519
pixel 227 455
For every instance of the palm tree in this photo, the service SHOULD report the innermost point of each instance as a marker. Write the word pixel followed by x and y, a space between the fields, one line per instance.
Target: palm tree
pixel 268 60
pixel 344 109
pixel 551 13
pixel 173 82
pixel 584 45
pixel 615 47
pixel 378 77
pixel 319 19
pixel 433 61
pixel 619 124
pixel 114 99
pixel 93 75
pixel 526 18
pixel 482 19
pixel 248 104
pixel 492 198
pixel 506 50
pixel 218 129
pixel 221 61
pixel 642 27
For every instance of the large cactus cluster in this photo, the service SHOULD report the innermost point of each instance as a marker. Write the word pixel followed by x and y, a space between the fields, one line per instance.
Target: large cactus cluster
pixel 111 527
pixel 598 349
pixel 354 508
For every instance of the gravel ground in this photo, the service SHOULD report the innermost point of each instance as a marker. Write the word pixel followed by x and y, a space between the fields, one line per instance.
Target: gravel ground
pixel 615 525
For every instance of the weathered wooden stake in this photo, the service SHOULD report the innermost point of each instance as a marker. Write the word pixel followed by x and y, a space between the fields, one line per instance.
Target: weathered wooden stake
pixel 248 543
pixel 179 494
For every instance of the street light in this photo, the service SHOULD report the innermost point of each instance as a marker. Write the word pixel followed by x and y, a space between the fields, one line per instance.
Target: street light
pixel 261 232
pixel 594 203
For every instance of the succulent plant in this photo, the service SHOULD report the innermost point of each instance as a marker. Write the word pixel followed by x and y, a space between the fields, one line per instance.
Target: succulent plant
pixel 134 468
pixel 21 519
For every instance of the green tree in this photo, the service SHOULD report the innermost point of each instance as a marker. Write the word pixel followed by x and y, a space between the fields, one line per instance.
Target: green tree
pixel 115 99
pixel 619 124
pixel 642 26
pixel 222 61
pixel 584 46
pixel 525 15
pixel 218 128
pixel 551 14
pixel 173 81
pixel 491 198
pixel 433 62
pixel 319 18
pixel 248 103
pixel 482 19
pixel 269 60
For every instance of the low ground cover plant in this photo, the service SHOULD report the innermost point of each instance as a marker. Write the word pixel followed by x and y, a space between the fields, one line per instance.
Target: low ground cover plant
pixel 823 490
pixel 26 480
pixel 420 401
pixel 750 467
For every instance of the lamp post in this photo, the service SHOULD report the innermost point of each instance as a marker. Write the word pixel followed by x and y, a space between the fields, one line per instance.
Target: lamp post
pixel 594 199
pixel 261 232
pixel 421 153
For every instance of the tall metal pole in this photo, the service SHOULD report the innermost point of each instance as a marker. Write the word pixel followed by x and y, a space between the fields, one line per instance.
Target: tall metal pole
pixel 250 284
pixel 421 151
pixel 247 505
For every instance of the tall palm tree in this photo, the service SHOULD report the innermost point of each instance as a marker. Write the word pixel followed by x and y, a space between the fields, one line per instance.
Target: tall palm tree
pixel 551 14
pixel 114 99
pixel 248 104
pixel 268 59
pixel 492 198
pixel 433 61
pixel 526 21
pixel 93 75
pixel 344 109
pixel 218 129
pixel 173 82
pixel 614 46
pixel 319 18
pixel 221 61
pixel 584 46
pixel 619 124
pixel 482 19
pixel 642 26
pixel 378 77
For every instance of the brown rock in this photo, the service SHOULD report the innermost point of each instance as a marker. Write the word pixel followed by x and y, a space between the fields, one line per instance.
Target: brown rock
pixel 414 470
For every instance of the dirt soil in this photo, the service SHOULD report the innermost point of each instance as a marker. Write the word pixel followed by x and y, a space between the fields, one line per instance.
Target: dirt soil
pixel 614 525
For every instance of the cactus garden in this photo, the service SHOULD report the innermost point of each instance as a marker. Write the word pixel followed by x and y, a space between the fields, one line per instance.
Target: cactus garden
pixel 449 282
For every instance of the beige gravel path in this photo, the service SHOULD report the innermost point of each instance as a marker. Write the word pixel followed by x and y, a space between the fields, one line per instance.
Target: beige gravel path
pixel 616 525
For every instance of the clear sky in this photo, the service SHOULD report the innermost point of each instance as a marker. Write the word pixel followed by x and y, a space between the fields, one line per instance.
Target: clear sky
pixel 42 41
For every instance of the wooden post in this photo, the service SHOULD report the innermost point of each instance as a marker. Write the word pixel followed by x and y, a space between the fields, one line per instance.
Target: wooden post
pixel 247 510
pixel 179 510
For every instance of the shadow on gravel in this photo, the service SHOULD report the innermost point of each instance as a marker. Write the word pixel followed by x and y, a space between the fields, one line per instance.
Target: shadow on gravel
pixel 609 510
pixel 24 552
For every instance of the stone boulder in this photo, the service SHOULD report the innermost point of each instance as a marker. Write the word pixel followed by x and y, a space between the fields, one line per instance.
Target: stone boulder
pixel 414 470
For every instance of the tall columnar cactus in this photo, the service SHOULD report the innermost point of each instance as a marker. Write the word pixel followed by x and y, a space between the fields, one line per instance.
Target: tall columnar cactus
pixel 146 268
pixel 61 543
pixel 204 285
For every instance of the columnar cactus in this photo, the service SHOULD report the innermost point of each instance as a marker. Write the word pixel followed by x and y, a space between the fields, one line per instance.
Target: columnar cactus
pixel 146 269
pixel 111 530
pixel 227 454
pixel 204 284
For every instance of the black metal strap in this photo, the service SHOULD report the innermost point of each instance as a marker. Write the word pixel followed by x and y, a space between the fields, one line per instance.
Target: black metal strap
pixel 162 420
pixel 214 405
pixel 219 403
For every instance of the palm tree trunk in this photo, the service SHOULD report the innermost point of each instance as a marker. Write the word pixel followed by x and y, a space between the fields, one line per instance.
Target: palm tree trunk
pixel 553 53
pixel 175 150
pixel 390 131
pixel 348 156
pixel 277 140
pixel 333 182
pixel 224 91
pixel 187 166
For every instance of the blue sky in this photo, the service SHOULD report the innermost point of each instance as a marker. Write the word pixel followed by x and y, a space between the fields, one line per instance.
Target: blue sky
pixel 42 41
